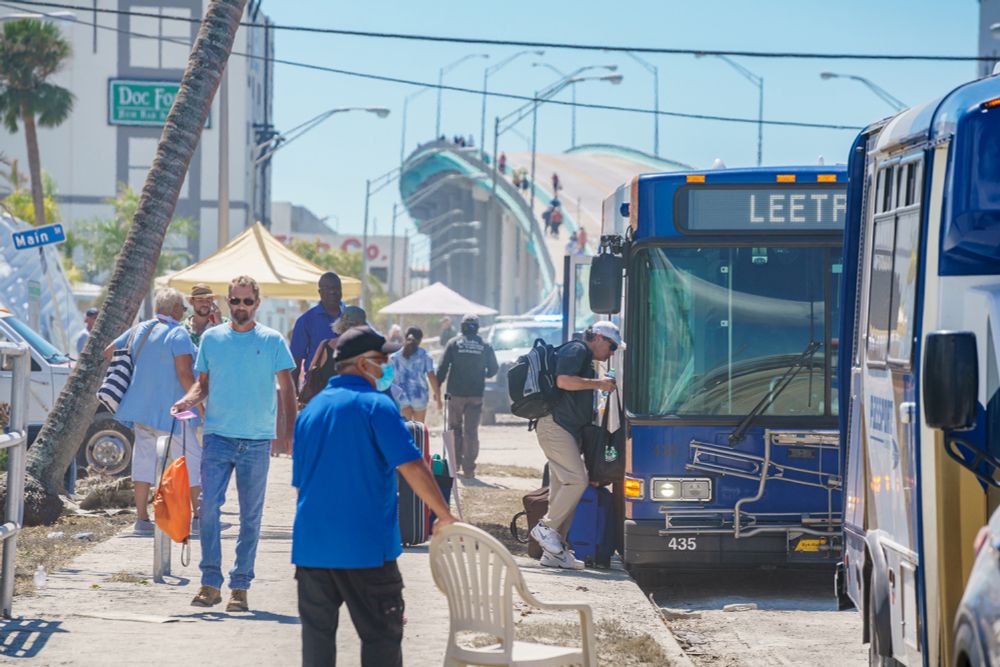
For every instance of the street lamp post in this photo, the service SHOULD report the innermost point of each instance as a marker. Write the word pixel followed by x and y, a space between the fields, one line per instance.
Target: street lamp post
pixel 487 73
pixel 541 98
pixel 757 81
pixel 441 72
pixel 652 69
pixel 402 139
pixel 575 73
pixel 882 93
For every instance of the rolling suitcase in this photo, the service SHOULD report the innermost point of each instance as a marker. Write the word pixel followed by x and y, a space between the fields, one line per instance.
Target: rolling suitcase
pixel 414 515
pixel 592 533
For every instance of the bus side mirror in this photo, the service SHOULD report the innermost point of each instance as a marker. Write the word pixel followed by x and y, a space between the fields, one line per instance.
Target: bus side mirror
pixel 951 380
pixel 607 275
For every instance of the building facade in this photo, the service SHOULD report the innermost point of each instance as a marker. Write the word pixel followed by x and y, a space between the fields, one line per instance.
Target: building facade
pixel 388 256
pixel 124 72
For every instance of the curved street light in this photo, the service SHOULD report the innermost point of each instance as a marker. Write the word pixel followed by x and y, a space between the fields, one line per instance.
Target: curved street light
pixel 564 77
pixel 441 72
pixel 406 104
pixel 879 91
pixel 755 80
pixel 487 73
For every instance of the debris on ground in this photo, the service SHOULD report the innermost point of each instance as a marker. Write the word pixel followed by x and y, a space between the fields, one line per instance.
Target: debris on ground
pixel 742 606
pixel 104 492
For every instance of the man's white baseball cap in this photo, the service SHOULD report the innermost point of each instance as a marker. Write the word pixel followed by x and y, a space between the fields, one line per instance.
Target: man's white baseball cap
pixel 610 331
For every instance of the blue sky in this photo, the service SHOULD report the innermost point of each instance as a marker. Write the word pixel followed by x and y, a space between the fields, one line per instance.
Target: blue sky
pixel 326 170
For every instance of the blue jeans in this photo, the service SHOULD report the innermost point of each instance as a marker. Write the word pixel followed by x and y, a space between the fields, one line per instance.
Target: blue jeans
pixel 250 459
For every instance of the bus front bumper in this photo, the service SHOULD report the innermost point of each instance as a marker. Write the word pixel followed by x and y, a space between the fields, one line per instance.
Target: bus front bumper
pixel 648 544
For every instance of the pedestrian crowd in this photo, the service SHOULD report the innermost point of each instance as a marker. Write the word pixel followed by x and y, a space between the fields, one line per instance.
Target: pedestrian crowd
pixel 222 391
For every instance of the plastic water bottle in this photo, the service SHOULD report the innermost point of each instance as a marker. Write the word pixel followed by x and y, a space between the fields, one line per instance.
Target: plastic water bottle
pixel 611 374
pixel 40 579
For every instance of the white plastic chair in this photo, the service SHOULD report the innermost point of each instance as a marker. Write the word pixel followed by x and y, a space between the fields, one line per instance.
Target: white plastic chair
pixel 478 576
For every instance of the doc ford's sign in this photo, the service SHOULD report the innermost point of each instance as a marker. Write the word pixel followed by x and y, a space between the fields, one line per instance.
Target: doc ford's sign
pixel 139 102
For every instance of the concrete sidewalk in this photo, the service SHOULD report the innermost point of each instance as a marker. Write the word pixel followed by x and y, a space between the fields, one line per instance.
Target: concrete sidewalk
pixel 82 618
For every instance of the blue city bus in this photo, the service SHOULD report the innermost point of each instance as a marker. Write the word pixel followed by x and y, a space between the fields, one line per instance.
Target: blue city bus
pixel 731 292
pixel 921 366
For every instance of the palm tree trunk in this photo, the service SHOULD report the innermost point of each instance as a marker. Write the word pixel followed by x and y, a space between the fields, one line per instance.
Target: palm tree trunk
pixel 34 164
pixel 67 423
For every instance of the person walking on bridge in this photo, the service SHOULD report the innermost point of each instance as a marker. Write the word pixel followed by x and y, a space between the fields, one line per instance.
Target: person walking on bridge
pixel 466 363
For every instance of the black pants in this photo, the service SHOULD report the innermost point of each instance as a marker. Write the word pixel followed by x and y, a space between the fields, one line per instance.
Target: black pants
pixel 374 598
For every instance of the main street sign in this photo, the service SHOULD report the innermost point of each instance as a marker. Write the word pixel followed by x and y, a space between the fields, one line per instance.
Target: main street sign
pixel 38 236
pixel 141 102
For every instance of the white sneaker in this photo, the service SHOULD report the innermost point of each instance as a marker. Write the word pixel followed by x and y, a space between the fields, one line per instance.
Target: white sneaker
pixel 568 561
pixel 143 527
pixel 548 539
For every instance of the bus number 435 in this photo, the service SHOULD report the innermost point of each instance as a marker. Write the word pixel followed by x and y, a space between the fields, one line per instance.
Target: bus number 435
pixel 682 543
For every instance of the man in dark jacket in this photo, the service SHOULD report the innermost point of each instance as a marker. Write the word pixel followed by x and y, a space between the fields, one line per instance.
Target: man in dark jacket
pixel 467 362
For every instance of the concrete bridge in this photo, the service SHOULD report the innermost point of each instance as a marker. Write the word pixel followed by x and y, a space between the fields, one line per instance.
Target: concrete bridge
pixel 508 260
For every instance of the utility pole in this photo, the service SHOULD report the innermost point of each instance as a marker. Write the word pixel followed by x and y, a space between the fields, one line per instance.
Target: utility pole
pixel 364 248
pixel 223 206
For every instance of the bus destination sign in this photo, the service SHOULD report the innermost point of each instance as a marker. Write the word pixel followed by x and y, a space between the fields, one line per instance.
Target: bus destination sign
pixel 762 208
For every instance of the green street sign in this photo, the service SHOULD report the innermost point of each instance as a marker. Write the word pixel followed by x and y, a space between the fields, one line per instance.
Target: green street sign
pixel 140 102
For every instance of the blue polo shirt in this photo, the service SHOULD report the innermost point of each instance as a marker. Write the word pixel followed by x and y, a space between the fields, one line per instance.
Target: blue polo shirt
pixel 312 328
pixel 349 440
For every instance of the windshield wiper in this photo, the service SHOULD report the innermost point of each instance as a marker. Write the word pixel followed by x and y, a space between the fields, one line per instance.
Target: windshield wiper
pixel 786 379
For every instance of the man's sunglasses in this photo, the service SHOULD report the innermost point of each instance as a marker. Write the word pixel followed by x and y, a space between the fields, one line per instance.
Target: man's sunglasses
pixel 247 301
pixel 612 344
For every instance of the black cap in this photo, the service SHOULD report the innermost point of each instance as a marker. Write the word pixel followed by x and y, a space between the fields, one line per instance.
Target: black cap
pixel 91 312
pixel 358 340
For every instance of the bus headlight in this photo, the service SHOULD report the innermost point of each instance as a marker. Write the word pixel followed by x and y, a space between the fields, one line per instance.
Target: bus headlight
pixel 689 489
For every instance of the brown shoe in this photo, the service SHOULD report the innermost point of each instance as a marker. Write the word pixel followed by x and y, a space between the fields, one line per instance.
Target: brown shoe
pixel 207 597
pixel 237 600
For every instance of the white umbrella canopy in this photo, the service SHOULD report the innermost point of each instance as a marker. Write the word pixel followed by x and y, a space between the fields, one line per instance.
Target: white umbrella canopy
pixel 436 299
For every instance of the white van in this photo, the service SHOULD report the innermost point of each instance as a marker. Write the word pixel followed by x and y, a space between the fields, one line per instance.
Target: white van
pixel 108 445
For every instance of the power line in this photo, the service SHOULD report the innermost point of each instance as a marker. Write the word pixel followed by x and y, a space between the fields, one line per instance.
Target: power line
pixel 451 88
pixel 530 44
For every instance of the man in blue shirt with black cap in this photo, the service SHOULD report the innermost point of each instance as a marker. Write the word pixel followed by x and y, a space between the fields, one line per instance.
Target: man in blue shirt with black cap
pixel 349 441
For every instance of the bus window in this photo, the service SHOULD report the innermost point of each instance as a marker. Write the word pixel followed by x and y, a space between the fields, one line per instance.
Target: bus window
pixel 716 327
pixel 904 286
pixel 880 291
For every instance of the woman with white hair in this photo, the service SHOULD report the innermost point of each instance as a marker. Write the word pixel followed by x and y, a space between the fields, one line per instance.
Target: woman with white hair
pixel 163 357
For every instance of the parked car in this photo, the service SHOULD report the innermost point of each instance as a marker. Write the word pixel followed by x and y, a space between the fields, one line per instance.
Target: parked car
pixel 107 446
pixel 977 642
pixel 510 339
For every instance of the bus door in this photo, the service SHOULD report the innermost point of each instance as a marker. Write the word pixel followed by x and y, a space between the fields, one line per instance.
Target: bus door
pixel 577 314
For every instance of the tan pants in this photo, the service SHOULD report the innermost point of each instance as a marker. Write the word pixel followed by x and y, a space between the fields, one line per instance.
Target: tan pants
pixel 567 475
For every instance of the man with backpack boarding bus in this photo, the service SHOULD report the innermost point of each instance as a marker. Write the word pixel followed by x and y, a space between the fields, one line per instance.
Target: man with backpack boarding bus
pixel 554 387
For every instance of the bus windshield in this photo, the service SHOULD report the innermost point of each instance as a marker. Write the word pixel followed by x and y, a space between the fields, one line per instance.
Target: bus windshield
pixel 713 330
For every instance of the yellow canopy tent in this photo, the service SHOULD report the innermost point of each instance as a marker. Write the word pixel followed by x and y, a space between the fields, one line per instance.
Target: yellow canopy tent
pixel 280 273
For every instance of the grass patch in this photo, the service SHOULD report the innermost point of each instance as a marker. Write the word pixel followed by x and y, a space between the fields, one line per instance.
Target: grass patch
pixel 35 548
pixel 126 577
pixel 615 644
pixel 492 509
pixel 495 470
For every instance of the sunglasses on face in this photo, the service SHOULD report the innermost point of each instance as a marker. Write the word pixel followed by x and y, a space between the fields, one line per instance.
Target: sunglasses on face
pixel 247 301
pixel 612 344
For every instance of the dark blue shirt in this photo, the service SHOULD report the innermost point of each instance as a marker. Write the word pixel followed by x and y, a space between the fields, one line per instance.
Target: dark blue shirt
pixel 312 328
pixel 348 442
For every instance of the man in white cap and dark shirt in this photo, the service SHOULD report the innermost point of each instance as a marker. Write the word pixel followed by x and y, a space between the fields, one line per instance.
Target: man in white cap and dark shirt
pixel 559 437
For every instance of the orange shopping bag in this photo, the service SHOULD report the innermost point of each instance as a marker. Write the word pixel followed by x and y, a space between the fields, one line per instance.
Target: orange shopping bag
pixel 172 501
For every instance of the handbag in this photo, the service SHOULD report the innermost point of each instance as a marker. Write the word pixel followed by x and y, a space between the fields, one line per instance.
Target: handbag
pixel 603 451
pixel 172 501
pixel 118 377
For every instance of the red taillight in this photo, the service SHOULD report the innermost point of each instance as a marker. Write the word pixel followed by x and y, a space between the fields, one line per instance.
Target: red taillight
pixel 981 536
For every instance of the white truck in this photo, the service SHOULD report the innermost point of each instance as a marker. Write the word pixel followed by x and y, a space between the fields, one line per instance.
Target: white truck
pixel 107 446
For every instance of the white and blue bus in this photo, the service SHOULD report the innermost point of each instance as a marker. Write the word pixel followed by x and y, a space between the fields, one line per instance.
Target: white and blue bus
pixel 731 319
pixel 920 422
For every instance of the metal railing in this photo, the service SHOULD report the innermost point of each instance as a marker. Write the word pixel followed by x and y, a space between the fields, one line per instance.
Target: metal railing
pixel 14 439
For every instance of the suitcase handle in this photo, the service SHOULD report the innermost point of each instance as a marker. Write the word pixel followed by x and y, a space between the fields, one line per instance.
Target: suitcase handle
pixel 515 532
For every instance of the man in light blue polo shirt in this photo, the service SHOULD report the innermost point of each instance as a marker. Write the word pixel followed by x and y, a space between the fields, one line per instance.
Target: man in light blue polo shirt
pixel 163 355
pixel 238 365
pixel 346 539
